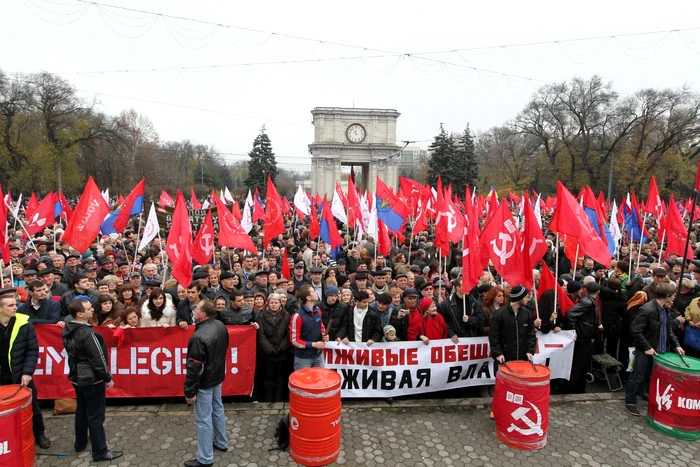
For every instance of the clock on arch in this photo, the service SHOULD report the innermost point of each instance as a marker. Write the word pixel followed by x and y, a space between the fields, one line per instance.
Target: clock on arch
pixel 356 133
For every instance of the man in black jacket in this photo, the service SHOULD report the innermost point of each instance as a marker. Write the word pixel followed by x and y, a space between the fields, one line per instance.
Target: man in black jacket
pixel 583 318
pixel 186 307
pixel 40 308
pixel 462 319
pixel 81 286
pixel 206 369
pixel 19 353
pixel 362 324
pixel 652 334
pixel 512 332
pixel 90 376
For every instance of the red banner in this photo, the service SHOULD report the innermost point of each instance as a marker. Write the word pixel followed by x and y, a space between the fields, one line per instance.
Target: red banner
pixel 150 362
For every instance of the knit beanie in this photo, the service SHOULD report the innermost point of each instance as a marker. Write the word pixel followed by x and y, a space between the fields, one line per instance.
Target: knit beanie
pixel 424 304
pixel 517 293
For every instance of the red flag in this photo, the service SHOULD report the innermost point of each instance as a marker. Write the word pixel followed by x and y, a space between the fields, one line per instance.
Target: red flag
pixel 166 200
pixel 236 210
pixel 87 218
pixel 383 241
pixel 120 201
pixel 676 235
pixel 285 204
pixel 414 189
pixel 547 282
pixel 314 225
pixel 180 230
pixel 455 221
pixel 202 249
pixel 130 205
pixel 653 205
pixel 179 242
pixel 533 242
pixel 471 262
pixel 603 204
pixel 67 210
pixel 42 217
pixel 492 205
pixel 258 212
pixel 232 234
pixel 500 241
pixel 4 245
pixel 421 214
pixel 285 272
pixel 570 219
pixel 442 241
pixel 354 208
pixel 274 219
pixel 31 205
pixel 195 202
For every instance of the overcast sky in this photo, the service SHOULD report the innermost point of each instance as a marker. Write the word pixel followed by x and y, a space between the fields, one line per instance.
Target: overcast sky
pixel 69 36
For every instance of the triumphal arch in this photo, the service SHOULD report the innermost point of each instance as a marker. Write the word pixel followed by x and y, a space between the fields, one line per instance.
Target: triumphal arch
pixel 362 138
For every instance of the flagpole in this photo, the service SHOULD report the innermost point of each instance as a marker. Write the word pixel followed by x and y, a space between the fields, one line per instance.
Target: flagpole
pixel 641 238
pixel 29 237
pixel 629 273
pixel 556 273
pixel 575 261
pixel 661 247
pixel 690 226
pixel 138 236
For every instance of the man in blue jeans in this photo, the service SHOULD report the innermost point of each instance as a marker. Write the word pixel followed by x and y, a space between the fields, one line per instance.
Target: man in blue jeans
pixel 306 332
pixel 206 369
pixel 652 334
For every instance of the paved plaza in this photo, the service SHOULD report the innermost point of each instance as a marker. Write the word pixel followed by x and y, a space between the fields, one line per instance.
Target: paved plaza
pixel 585 430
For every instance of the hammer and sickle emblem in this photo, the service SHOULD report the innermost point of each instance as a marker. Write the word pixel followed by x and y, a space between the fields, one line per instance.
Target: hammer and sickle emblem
pixel 503 252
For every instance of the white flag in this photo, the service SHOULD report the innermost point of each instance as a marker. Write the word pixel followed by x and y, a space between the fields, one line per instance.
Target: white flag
pixel 206 204
pixel 614 227
pixel 337 208
pixel 247 220
pixel 227 195
pixel 151 229
pixel 105 195
pixel 249 200
pixel 364 206
pixel 302 202
pixel 373 225
pixel 538 210
pixel 19 203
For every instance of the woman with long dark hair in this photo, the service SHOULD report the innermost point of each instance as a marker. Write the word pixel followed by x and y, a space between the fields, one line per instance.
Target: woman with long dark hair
pixel 158 310
pixel 106 312
pixel 127 295
pixel 273 345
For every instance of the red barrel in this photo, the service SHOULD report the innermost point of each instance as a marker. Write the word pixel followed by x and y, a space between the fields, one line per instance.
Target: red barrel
pixel 521 405
pixel 314 416
pixel 16 438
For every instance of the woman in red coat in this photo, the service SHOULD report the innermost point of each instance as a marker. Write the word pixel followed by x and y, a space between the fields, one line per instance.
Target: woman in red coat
pixel 434 326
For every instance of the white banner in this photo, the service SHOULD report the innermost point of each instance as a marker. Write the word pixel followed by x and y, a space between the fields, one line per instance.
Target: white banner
pixel 396 369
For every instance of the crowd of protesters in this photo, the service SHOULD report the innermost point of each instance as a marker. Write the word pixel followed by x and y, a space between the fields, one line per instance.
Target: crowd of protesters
pixel 361 295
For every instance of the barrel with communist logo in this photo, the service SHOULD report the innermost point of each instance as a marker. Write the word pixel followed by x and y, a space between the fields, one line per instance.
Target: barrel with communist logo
pixel 674 396
pixel 521 405
pixel 314 416
pixel 16 436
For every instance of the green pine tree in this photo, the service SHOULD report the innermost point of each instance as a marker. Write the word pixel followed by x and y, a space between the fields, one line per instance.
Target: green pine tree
pixel 262 162
pixel 442 158
pixel 466 165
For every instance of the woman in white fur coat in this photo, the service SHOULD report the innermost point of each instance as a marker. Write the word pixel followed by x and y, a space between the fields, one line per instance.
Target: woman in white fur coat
pixel 158 310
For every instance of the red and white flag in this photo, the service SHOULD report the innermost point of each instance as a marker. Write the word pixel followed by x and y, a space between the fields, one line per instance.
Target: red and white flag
pixel 42 217
pixel 500 241
pixel 178 244
pixel 202 248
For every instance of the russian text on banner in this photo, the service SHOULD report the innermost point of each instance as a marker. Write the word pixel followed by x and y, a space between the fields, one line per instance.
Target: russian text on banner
pixel 397 369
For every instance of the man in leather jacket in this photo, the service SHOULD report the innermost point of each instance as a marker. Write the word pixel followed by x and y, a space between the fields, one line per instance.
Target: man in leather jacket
pixel 461 321
pixel 583 318
pixel 206 369
pixel 89 373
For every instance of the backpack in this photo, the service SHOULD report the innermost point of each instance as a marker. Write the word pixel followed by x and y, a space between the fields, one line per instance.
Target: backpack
pixel 282 435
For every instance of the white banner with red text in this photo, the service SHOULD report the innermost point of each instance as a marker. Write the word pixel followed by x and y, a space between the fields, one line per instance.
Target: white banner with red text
pixel 148 362
pixel 403 368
